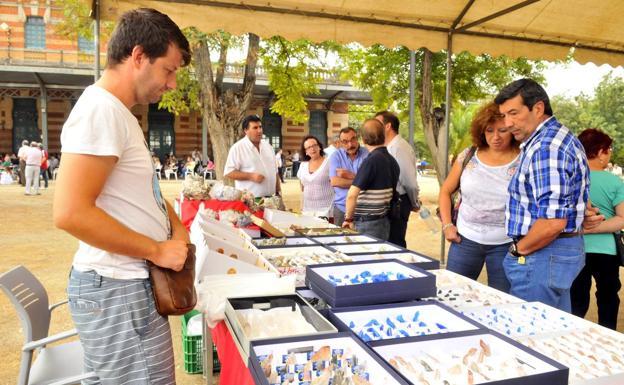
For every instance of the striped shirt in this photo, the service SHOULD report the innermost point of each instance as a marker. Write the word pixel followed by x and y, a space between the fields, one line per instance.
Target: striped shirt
pixel 552 180
pixel 377 179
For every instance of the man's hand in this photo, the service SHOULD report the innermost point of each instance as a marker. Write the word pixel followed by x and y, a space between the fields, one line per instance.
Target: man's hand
pixel 344 173
pixel 170 254
pixel 592 218
pixel 256 177
pixel 348 225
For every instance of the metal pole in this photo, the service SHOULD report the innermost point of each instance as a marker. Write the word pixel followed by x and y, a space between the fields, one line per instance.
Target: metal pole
pixel 447 121
pixel 412 96
pixel 96 41
pixel 44 110
pixel 204 140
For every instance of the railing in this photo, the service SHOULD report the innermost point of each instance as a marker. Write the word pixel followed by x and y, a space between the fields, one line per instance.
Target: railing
pixel 84 60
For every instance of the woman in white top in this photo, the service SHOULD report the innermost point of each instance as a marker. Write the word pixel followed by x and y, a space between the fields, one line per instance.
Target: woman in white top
pixel 480 236
pixel 313 173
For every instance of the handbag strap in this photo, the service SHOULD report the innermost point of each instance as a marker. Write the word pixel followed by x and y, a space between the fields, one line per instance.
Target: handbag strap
pixel 469 155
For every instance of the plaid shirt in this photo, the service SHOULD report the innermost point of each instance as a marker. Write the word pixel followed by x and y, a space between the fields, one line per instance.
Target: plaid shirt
pixel 552 180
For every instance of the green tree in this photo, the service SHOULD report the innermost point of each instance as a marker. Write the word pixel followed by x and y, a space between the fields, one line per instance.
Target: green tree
pixel 459 134
pixel 384 72
pixel 77 21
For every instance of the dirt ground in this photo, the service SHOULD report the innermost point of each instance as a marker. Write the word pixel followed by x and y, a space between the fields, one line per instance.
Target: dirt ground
pixel 28 238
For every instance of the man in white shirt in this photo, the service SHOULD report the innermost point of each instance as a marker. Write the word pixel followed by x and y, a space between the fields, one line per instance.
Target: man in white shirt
pixel 407 188
pixel 108 196
pixel 32 157
pixel 21 154
pixel 251 161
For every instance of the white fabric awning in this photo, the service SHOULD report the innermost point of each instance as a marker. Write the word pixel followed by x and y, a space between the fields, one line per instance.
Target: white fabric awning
pixel 531 28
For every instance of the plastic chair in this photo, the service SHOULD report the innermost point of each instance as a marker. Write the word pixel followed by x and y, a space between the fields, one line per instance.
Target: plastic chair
pixel 210 174
pixel 171 171
pixel 58 364
pixel 288 172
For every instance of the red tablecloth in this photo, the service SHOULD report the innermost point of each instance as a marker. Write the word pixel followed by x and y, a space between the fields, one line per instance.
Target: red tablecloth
pixel 233 369
pixel 189 208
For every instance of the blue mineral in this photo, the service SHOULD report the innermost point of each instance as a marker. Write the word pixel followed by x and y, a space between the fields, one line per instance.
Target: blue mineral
pixel 401 276
pixel 351 325
pixel 422 324
pixel 365 274
pixel 374 333
pixel 403 333
pixel 389 332
pixel 364 337
pixel 440 326
pixel 390 323
pixel 416 315
pixel 400 318
pixel 372 322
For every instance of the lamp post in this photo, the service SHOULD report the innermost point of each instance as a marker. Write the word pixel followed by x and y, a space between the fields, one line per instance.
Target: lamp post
pixel 6 28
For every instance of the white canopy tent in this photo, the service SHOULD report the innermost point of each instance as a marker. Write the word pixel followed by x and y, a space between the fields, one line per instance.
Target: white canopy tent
pixel 536 29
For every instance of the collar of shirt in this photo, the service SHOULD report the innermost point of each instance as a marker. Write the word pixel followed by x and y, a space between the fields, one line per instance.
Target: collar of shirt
pixel 548 122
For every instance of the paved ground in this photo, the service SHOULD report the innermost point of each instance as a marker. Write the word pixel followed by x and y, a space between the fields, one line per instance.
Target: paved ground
pixel 28 238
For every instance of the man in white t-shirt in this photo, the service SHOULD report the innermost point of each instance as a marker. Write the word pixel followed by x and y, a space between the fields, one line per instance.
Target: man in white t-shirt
pixel 251 162
pixel 32 157
pixel 21 154
pixel 108 196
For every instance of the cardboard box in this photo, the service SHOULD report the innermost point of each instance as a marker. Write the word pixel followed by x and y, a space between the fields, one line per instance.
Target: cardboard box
pixel 418 284
pixel 400 320
pixel 266 226
pixel 377 371
pixel 453 355
pixel 322 325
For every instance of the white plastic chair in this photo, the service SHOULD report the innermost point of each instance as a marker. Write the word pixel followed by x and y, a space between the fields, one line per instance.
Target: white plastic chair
pixel 170 171
pixel 58 364
pixel 210 174
pixel 288 172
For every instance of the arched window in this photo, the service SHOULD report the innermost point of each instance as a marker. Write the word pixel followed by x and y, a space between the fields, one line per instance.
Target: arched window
pixel 318 125
pixel 272 128
pixel 25 122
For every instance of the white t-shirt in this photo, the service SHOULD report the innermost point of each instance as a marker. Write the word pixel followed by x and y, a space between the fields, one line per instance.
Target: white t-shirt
pixel 33 156
pixel 244 156
pixel 21 153
pixel 318 194
pixel 484 196
pixel 99 124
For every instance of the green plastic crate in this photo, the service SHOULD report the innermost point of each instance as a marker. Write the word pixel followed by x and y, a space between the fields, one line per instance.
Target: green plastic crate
pixel 192 347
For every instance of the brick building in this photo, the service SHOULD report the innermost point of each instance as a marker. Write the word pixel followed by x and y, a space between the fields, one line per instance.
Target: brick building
pixel 43 73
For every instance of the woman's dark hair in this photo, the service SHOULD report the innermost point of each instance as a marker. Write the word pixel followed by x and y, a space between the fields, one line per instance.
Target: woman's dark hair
pixel 594 140
pixel 150 29
pixel 303 151
pixel 530 91
pixel 486 116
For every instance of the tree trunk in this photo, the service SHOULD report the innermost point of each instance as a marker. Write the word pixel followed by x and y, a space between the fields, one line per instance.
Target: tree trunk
pixel 223 112
pixel 432 119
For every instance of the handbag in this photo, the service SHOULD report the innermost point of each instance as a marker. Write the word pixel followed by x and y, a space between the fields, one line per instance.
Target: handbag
pixel 456 196
pixel 619 246
pixel 174 291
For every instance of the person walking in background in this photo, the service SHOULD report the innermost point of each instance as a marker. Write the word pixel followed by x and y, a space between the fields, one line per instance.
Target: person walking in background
pixel 480 236
pixel 108 196
pixel 296 161
pixel 343 165
pixel 548 195
pixel 606 192
pixel 279 163
pixel 21 154
pixel 44 165
pixel 318 195
pixel 374 185
pixel 33 158
pixel 407 189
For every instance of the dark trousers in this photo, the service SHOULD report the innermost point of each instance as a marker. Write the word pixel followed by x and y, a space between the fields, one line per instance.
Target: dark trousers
pixel 280 172
pixel 295 168
pixel 398 227
pixel 22 172
pixel 605 269
pixel 44 174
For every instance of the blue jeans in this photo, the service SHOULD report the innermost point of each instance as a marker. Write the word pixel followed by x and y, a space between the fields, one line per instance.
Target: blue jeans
pixel 548 273
pixel 379 228
pixel 467 258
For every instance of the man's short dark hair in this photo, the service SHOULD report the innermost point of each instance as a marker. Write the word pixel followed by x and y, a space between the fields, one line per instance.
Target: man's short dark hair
pixel 248 119
pixel 389 117
pixel 346 130
pixel 152 30
pixel 374 134
pixel 530 91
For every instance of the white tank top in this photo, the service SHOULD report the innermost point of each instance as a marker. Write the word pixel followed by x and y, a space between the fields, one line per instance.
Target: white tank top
pixel 484 196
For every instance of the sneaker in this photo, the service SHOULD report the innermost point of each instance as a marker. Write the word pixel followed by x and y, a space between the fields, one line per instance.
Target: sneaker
pixel 38 193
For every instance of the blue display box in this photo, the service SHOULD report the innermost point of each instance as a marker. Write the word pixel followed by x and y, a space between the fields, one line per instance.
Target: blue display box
pixel 401 320
pixel 484 356
pixel 418 284
pixel 377 371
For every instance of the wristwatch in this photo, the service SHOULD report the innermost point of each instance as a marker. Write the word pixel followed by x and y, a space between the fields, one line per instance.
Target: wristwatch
pixel 513 250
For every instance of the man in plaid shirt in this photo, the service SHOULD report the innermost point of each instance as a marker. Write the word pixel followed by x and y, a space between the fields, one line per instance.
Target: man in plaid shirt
pixel 547 198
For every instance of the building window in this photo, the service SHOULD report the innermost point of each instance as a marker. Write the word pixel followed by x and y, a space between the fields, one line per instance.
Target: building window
pixel 84 44
pixel 35 32
pixel 272 128
pixel 160 132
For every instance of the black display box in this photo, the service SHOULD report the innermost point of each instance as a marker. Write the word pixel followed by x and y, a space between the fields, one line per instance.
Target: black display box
pixel 421 283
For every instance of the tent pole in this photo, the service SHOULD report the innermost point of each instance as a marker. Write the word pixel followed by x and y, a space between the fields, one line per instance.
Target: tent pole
pixel 447 120
pixel 412 96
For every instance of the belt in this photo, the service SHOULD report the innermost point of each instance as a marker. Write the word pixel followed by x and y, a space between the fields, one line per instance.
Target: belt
pixel 561 235
pixel 368 218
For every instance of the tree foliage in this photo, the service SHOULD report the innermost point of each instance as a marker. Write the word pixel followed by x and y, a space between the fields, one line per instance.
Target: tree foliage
pixel 77 21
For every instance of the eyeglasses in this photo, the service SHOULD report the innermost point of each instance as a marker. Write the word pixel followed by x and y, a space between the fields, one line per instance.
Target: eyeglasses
pixel 311 147
pixel 347 141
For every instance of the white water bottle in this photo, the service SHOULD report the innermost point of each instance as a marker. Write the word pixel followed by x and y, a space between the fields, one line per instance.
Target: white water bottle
pixel 425 215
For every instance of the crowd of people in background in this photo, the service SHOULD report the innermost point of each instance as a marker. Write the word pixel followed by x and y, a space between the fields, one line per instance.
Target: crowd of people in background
pixel 32 156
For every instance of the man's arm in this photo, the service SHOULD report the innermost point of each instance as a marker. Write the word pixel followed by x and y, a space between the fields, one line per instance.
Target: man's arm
pixel 242 175
pixel 541 234
pixel 79 183
pixel 350 203
pixel 407 177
